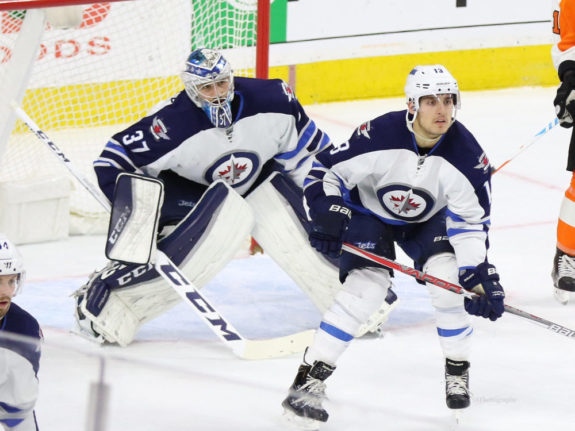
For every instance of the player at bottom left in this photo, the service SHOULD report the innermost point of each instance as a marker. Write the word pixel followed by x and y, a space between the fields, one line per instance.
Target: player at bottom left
pixel 20 338
pixel 232 154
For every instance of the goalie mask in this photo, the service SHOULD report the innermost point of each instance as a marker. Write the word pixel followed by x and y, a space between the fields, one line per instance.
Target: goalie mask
pixel 209 82
pixel 11 261
pixel 430 80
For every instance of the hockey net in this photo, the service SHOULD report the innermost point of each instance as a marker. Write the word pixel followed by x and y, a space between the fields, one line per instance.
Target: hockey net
pixel 83 72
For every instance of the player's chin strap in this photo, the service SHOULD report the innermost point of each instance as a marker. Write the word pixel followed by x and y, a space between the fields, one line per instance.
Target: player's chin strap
pixel 428 278
pixel 244 348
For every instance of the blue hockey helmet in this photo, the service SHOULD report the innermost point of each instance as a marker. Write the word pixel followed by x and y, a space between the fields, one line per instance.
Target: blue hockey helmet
pixel 209 81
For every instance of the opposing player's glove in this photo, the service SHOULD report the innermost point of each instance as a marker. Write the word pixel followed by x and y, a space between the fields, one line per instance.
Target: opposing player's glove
pixel 565 99
pixel 484 281
pixel 330 218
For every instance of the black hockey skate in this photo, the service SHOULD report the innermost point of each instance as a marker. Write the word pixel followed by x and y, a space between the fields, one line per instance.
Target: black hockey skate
pixel 563 271
pixel 303 403
pixel 457 384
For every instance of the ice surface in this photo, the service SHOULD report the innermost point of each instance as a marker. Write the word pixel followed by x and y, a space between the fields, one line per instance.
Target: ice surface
pixel 178 376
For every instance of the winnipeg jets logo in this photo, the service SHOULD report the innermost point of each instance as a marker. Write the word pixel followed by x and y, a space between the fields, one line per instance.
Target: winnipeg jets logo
pixel 236 169
pixel 483 163
pixel 159 129
pixel 364 129
pixel 405 203
pixel 288 91
pixel 233 171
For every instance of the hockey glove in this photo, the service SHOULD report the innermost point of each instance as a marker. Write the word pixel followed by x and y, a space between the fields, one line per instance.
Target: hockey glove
pixel 565 99
pixel 484 281
pixel 330 218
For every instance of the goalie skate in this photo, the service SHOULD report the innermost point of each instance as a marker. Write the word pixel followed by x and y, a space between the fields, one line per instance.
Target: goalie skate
pixel 303 405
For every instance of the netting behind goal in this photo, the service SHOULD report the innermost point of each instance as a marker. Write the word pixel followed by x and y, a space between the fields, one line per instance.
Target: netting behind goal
pixel 111 65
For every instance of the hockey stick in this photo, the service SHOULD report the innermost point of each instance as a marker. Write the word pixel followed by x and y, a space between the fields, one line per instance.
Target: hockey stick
pixel 244 348
pixel 523 147
pixel 420 275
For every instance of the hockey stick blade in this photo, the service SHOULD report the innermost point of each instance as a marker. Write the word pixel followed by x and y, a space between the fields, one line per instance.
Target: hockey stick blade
pixel 535 138
pixel 428 278
pixel 277 347
pixel 242 347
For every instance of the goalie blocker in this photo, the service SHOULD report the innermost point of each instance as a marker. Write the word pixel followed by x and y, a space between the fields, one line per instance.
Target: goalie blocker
pixel 117 300
pixel 134 219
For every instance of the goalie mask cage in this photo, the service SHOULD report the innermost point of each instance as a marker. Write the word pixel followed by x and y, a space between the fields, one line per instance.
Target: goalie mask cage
pixel 84 71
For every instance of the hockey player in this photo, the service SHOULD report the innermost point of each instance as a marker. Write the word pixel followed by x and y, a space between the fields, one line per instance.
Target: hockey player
pixel 19 357
pixel 563 54
pixel 220 138
pixel 418 179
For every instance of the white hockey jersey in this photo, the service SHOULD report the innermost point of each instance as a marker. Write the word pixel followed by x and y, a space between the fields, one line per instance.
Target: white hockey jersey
pixel 380 171
pixel 268 123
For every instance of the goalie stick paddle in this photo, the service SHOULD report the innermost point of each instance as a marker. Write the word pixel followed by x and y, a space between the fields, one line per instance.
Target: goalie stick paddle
pixel 242 347
pixel 428 278
pixel 523 147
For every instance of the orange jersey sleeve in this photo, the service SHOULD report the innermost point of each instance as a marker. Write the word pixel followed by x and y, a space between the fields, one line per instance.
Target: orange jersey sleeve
pixel 564 32
pixel 566 24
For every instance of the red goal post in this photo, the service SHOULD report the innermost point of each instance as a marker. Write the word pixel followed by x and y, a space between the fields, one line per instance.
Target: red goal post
pixel 84 70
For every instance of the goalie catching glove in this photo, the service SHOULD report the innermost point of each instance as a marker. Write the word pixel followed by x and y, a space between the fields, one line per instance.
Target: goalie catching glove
pixel 565 99
pixel 484 281
pixel 330 218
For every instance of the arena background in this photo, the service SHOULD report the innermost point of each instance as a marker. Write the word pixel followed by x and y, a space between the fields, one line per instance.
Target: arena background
pixel 335 50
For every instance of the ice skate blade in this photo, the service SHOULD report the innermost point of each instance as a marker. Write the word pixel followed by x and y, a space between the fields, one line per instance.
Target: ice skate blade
pixel 456 417
pixel 562 296
pixel 298 422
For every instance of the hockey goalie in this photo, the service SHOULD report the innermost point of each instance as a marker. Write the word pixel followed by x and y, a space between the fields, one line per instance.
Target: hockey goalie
pixel 232 154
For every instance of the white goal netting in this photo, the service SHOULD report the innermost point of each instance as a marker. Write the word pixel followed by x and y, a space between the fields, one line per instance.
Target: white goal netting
pixel 83 84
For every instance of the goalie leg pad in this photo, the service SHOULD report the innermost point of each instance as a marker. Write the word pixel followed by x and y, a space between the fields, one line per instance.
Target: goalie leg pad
pixel 453 322
pixel 281 229
pixel 120 298
pixel 114 314
pixel 280 232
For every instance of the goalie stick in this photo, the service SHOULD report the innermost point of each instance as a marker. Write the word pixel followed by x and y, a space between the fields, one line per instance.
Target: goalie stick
pixel 242 347
pixel 523 147
pixel 428 278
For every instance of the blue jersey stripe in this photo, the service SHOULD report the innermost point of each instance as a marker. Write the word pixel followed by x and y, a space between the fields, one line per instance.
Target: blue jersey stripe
pixel 303 141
